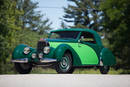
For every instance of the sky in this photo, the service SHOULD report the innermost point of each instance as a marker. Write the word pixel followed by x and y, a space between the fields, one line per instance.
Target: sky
pixel 53 9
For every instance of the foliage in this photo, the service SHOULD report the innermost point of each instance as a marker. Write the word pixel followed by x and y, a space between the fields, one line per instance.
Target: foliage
pixel 28 37
pixel 84 14
pixel 44 26
pixel 31 18
pixel 25 36
pixel 21 23
pixel 110 16
pixel 41 70
pixel 12 31
pixel 8 27
pixel 63 25
pixel 116 24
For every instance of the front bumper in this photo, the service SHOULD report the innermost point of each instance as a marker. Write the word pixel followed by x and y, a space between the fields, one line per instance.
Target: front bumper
pixel 41 61
pixel 21 60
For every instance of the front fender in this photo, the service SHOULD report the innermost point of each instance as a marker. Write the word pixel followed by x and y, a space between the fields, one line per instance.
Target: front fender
pixel 18 52
pixel 61 49
pixel 107 57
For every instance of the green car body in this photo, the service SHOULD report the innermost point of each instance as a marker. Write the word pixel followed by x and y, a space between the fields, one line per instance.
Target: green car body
pixel 83 51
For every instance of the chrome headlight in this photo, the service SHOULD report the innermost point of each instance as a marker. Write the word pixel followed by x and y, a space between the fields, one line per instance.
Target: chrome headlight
pixel 40 55
pixel 34 55
pixel 26 50
pixel 46 49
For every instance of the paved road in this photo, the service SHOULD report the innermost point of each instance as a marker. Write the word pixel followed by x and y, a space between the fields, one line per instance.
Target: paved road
pixel 67 80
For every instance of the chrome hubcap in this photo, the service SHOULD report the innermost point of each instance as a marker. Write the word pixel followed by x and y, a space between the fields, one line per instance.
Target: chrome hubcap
pixel 64 64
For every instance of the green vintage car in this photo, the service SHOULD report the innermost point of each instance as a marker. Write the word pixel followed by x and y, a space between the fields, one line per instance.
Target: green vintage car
pixel 65 49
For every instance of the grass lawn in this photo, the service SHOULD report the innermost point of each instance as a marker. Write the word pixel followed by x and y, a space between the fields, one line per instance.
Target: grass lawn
pixel 40 70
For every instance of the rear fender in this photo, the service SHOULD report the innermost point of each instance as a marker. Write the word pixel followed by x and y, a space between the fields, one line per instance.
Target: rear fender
pixel 107 57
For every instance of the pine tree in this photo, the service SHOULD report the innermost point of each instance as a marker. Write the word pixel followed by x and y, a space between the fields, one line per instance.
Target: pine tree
pixel 63 25
pixel 44 26
pixel 84 14
pixel 31 18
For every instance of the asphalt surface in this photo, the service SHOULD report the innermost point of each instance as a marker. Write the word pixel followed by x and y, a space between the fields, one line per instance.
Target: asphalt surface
pixel 64 80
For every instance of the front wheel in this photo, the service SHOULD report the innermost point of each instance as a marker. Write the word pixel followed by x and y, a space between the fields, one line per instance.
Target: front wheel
pixel 104 69
pixel 23 68
pixel 65 65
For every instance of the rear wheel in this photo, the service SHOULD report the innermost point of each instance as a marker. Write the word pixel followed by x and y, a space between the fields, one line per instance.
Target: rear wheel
pixel 23 68
pixel 104 69
pixel 65 65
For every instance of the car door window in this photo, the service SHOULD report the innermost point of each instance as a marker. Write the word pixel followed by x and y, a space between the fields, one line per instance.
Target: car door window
pixel 87 37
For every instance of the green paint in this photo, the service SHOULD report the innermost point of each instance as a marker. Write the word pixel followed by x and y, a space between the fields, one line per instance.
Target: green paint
pixel 86 54
pixel 97 48
pixel 107 57
pixel 18 52
pixel 62 48
pixel 62 40
pixel 97 37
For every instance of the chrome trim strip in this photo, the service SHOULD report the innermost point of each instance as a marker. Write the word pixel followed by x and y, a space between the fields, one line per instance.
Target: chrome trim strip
pixel 23 60
pixel 42 60
pixel 47 60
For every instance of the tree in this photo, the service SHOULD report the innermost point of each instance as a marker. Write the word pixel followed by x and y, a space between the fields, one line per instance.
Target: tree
pixel 12 17
pixel 8 26
pixel 63 25
pixel 116 24
pixel 31 18
pixel 84 14
pixel 44 26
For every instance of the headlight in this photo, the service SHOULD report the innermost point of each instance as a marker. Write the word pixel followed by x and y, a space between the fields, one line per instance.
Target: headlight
pixel 46 50
pixel 34 55
pixel 26 50
pixel 40 55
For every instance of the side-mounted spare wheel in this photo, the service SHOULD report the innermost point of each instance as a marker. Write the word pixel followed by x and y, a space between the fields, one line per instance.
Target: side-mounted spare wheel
pixel 23 68
pixel 66 64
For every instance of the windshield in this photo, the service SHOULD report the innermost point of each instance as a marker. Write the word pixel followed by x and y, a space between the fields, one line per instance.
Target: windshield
pixel 64 35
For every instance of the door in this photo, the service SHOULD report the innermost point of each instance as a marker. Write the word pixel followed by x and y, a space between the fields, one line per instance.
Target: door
pixel 88 49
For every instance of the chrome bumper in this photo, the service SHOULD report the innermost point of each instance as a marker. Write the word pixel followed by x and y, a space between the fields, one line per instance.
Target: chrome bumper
pixel 48 60
pixel 42 60
pixel 23 60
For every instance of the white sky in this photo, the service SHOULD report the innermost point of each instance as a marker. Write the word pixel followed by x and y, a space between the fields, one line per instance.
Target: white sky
pixel 54 14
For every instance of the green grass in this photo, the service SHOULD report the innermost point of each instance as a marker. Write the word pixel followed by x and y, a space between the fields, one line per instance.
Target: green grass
pixel 96 71
pixel 39 70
